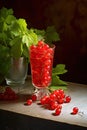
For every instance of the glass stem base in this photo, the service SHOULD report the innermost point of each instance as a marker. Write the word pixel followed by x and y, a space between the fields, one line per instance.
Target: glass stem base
pixel 40 92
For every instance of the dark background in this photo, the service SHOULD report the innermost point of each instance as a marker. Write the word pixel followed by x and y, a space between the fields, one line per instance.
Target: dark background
pixel 70 20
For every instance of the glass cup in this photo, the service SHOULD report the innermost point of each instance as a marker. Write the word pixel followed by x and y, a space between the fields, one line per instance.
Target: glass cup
pixel 18 72
pixel 41 62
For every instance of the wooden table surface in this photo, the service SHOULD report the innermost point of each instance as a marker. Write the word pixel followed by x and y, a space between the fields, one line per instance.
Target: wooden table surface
pixel 78 93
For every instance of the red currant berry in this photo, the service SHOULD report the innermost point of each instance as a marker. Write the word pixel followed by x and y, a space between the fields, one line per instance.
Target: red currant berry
pixel 61 91
pixel 61 101
pixel 34 97
pixel 40 43
pixel 46 46
pixel 44 100
pixel 29 102
pixel 75 110
pixel 32 47
pixel 53 96
pixel 53 105
pixel 67 99
pixel 57 111
pixel 59 106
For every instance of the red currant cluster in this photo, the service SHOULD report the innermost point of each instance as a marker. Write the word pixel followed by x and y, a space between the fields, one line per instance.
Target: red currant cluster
pixel 8 94
pixel 54 101
pixel 41 59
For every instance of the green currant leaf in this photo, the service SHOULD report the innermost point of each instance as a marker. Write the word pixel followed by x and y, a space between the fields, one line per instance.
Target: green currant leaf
pixel 9 19
pixel 51 35
pixel 25 39
pixel 53 88
pixel 25 51
pixel 40 33
pixel 4 12
pixel 57 81
pixel 15 29
pixel 17 48
pixel 59 69
pixel 22 24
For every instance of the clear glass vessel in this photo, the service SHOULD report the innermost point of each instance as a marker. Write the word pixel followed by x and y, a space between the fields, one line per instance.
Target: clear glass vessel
pixel 18 71
pixel 41 62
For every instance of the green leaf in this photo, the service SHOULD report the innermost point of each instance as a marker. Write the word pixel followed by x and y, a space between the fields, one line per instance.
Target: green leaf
pixel 22 24
pixel 4 67
pixel 53 88
pixel 3 38
pixel 4 12
pixel 4 61
pixel 51 35
pixel 9 19
pixel 15 29
pixel 4 52
pixel 25 51
pixel 32 39
pixel 17 48
pixel 25 39
pixel 6 18
pixel 5 26
pixel 59 69
pixel 40 33
pixel 18 27
pixel 57 81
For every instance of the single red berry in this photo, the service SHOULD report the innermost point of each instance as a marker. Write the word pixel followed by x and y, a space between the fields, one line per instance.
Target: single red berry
pixel 53 96
pixel 61 101
pixel 29 102
pixel 75 110
pixel 67 99
pixel 56 92
pixel 40 43
pixel 32 47
pixel 61 91
pixel 46 46
pixel 57 111
pixel 34 97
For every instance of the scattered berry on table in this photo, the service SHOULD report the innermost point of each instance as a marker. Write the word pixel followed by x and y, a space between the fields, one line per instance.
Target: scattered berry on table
pixel 54 101
pixel 67 99
pixel 75 110
pixel 29 102
pixel 33 97
pixel 57 112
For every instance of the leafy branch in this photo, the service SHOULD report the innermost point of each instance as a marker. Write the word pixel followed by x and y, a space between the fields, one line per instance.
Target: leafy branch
pixel 56 81
pixel 49 35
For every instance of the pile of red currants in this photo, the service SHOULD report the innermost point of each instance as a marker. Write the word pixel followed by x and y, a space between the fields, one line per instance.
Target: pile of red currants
pixel 54 101
pixel 8 94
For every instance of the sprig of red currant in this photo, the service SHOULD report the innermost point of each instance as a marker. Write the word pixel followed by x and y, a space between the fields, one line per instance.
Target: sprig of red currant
pixel 54 101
